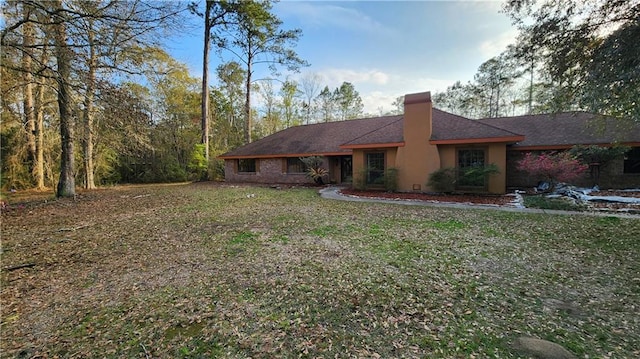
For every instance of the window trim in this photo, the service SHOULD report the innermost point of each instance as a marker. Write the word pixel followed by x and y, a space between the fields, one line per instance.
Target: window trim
pixel 300 163
pixel 629 161
pixel 368 181
pixel 485 184
pixel 239 166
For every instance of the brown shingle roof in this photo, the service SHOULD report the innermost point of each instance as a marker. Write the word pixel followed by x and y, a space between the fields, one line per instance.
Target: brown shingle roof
pixel 390 133
pixel 567 129
pixel 531 131
pixel 451 128
pixel 318 139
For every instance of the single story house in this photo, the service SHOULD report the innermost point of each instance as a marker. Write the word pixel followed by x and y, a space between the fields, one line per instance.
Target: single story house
pixel 425 139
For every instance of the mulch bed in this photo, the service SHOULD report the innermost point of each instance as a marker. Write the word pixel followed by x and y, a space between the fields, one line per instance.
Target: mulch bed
pixel 498 200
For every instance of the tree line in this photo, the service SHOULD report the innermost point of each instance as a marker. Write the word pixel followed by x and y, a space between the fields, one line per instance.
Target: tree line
pixel 90 97
pixel 89 94
pixel 569 55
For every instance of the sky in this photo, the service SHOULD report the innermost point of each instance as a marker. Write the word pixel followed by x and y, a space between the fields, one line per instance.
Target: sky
pixel 385 49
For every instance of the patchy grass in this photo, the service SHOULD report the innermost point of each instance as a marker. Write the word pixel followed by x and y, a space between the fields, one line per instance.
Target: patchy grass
pixel 210 271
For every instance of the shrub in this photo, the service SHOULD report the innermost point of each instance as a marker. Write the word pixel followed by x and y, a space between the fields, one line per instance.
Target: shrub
pixel 598 155
pixel 391 179
pixel 443 180
pixel 553 167
pixel 360 180
pixel 315 171
pixel 215 172
pixel 198 163
pixel 446 179
pixel 475 176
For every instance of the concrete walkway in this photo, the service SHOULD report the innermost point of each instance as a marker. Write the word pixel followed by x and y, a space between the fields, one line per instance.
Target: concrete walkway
pixel 334 193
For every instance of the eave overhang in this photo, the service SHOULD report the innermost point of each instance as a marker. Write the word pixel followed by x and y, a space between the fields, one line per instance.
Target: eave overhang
pixel 287 155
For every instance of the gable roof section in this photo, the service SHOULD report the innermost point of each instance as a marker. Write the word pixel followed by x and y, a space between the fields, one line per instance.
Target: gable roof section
pixel 388 135
pixel 564 130
pixel 448 128
pixel 317 139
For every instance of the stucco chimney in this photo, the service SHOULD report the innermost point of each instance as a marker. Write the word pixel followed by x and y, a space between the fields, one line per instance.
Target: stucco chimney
pixel 417 159
pixel 417 114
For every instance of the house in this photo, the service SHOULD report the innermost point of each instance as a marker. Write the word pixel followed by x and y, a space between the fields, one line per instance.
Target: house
pixel 425 139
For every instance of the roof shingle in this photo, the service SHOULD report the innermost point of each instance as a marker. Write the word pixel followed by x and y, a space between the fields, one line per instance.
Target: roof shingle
pixel 529 131
pixel 318 139
pixel 447 127
pixel 568 129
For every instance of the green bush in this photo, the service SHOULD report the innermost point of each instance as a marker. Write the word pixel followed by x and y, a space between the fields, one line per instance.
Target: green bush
pixel 391 179
pixel 447 179
pixel 476 176
pixel 360 180
pixel 443 180
pixel 198 165
pixel 315 169
pixel 215 172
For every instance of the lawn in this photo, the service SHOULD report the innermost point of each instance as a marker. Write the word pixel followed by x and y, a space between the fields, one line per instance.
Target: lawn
pixel 202 270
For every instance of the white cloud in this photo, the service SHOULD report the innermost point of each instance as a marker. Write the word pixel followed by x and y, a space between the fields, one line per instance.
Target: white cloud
pixel 319 14
pixel 497 44
pixel 379 90
pixel 335 77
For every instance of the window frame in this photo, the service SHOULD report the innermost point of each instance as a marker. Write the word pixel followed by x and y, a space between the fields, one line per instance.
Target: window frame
pixel 472 158
pixel 298 167
pixel 631 164
pixel 247 165
pixel 379 172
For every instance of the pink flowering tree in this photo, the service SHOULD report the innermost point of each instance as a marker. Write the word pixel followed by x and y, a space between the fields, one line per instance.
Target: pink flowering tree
pixel 553 167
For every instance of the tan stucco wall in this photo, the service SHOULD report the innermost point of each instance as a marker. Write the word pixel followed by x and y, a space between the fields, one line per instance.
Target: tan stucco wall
pixel 417 158
pixel 496 154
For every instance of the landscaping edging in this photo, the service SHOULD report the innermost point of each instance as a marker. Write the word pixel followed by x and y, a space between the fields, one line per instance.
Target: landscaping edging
pixel 333 192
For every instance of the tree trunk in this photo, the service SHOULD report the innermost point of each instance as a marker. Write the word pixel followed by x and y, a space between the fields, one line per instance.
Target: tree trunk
pixel 205 79
pixel 28 102
pixel 66 183
pixel 247 106
pixel 39 165
pixel 87 116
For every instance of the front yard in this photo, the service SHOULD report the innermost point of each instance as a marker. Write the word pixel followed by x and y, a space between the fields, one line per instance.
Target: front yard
pixel 201 270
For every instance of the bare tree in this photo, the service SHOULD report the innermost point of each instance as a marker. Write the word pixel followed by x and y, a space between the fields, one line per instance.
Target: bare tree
pixel 310 84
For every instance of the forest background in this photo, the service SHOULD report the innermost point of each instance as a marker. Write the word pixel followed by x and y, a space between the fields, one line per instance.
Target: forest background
pixel 91 96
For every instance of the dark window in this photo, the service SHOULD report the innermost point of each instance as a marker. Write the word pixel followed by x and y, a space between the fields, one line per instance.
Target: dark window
pixel 295 165
pixel 375 168
pixel 632 161
pixel 247 165
pixel 470 162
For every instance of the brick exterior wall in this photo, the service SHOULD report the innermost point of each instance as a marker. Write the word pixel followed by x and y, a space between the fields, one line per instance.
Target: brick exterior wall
pixel 611 175
pixel 268 170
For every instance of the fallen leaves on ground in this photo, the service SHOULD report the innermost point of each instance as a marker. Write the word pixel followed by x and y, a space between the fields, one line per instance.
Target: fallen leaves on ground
pixel 205 270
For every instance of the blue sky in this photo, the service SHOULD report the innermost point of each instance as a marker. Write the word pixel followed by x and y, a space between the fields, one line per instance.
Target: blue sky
pixel 385 48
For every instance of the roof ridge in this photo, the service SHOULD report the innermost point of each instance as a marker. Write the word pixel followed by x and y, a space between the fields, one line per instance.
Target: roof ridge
pixel 400 118
pixel 551 114
pixel 344 121
pixel 480 122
